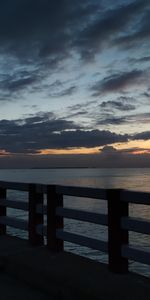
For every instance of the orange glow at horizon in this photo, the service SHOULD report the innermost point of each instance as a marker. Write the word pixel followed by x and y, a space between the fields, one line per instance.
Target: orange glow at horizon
pixel 4 153
pixel 141 152
pixel 81 150
pixel 141 147
pixel 137 147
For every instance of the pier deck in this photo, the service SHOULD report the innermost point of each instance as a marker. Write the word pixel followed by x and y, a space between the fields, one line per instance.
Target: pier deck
pixel 66 276
pixel 11 288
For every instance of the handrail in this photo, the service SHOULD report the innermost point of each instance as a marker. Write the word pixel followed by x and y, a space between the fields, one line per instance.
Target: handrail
pixel 79 191
pixel 21 186
pixel 117 220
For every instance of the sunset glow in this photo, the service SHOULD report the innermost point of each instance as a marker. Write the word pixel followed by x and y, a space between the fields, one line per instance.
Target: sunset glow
pixel 4 153
pixel 136 152
pixel 136 147
pixel 142 145
pixel 69 151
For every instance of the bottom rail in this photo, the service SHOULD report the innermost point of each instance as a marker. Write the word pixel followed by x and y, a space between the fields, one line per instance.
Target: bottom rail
pixel 132 253
pixel 82 240
pixel 13 222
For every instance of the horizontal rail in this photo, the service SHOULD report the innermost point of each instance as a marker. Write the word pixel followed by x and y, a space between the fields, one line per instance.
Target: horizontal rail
pixel 135 197
pixel 14 185
pixel 82 240
pixel 75 214
pixel 20 186
pixel 14 204
pixel 13 222
pixel 81 192
pixel 135 224
pixel 132 253
pixel 87 192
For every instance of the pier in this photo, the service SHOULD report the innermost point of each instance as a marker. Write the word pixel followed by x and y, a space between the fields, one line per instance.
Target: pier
pixel 41 260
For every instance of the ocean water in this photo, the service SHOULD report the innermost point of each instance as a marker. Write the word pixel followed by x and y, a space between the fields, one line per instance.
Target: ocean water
pixel 131 179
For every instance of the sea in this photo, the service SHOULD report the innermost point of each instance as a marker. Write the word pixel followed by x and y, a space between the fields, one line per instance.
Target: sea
pixel 137 179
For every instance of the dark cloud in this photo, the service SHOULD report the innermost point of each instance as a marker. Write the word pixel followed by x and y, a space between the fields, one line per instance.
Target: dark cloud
pixel 64 92
pixel 79 106
pixel 108 150
pixel 38 33
pixel 140 34
pixel 104 28
pixel 77 114
pixel 146 94
pixel 59 88
pixel 40 28
pixel 13 82
pixel 44 131
pixel 111 120
pixel 16 83
pixel 91 138
pixel 80 109
pixel 25 135
pixel 40 117
pixel 144 59
pixel 121 106
pixel 44 33
pixel 34 30
pixel 140 118
pixel 119 82
pixel 12 86
pixel 142 136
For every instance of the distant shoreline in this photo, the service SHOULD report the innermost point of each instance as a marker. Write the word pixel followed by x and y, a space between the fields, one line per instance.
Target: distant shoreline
pixel 53 168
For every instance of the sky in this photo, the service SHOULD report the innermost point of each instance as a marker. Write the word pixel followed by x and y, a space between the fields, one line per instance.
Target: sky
pixel 74 83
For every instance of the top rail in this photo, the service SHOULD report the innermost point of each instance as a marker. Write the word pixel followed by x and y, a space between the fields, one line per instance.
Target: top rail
pixel 14 185
pixel 21 186
pixel 136 197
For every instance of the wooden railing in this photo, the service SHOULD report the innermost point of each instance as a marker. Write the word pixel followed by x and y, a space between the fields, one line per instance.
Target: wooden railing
pixel 117 220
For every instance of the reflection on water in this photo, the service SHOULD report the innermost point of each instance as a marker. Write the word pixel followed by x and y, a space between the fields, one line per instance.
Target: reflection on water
pixel 134 179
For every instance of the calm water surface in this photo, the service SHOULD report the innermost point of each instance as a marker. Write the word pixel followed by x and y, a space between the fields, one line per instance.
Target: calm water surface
pixel 135 179
pixel 132 179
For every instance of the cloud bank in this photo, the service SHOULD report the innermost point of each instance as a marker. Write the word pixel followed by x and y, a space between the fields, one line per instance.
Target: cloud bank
pixel 45 131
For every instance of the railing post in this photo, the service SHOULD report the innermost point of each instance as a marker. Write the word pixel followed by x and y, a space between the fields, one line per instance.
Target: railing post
pixel 116 235
pixel 35 218
pixel 2 210
pixel 54 222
